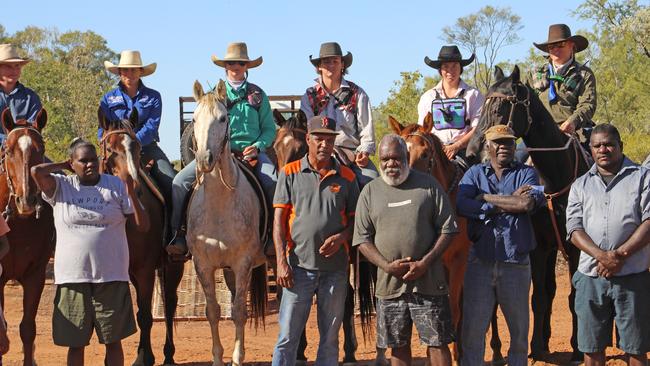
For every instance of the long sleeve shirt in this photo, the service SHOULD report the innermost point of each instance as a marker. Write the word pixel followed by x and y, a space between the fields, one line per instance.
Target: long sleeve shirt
pixel 250 125
pixel 23 103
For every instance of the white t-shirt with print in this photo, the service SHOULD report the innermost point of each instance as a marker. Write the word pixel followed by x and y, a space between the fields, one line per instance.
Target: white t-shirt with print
pixel 90 221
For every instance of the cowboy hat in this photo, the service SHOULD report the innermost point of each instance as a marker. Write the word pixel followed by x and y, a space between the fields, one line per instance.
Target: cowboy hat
pixel 9 55
pixel 448 54
pixel 237 51
pixel 130 60
pixel 560 33
pixel 331 49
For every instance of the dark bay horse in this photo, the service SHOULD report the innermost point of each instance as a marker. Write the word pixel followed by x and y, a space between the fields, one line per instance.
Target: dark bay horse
pixel 120 152
pixel 31 238
pixel 426 154
pixel 558 161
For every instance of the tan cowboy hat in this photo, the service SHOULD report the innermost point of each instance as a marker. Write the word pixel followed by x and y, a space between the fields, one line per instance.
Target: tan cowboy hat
pixel 9 55
pixel 130 60
pixel 560 33
pixel 237 51
pixel 330 49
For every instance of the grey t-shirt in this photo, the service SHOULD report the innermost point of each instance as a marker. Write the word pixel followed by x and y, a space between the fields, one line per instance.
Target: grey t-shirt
pixel 405 221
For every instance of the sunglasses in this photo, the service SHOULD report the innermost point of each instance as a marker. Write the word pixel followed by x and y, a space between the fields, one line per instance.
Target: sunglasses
pixel 556 45
pixel 240 63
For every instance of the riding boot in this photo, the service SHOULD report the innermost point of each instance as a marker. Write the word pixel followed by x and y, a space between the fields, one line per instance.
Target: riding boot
pixel 178 244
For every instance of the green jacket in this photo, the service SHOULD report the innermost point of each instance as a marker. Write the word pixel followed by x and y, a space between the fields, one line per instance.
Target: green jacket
pixel 250 125
pixel 576 93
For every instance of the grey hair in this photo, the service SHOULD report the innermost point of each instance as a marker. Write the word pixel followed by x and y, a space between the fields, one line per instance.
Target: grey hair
pixel 392 138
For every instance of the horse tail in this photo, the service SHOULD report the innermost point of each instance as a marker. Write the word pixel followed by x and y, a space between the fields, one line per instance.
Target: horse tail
pixel 366 290
pixel 258 294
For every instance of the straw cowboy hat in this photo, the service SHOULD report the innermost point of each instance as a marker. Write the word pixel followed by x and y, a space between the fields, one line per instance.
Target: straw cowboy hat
pixel 330 49
pixel 9 55
pixel 237 51
pixel 130 60
pixel 448 54
pixel 560 33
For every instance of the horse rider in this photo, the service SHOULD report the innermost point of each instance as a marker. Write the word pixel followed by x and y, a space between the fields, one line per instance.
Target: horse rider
pixel 455 106
pixel 131 93
pixel 252 131
pixel 404 222
pixel 498 197
pixel 608 220
pixel 566 87
pixel 23 102
pixel 313 222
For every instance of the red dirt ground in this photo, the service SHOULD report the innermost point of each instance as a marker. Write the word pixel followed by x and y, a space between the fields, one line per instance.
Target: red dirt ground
pixel 193 343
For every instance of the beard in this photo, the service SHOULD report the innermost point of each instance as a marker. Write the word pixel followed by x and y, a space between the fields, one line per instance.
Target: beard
pixel 395 181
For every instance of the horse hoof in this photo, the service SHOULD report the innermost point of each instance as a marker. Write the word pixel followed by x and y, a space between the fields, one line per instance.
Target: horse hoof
pixel 577 358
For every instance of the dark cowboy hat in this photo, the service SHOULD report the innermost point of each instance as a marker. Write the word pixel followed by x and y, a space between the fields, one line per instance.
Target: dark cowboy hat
pixel 448 54
pixel 329 49
pixel 559 33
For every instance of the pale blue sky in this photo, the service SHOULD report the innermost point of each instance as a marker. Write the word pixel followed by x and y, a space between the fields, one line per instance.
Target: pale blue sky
pixel 385 37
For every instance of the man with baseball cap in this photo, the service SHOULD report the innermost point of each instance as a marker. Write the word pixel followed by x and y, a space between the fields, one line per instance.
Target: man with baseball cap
pixel 314 206
pixel 497 198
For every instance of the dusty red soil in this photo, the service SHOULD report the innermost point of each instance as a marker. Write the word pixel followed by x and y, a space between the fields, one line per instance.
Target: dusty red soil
pixel 193 343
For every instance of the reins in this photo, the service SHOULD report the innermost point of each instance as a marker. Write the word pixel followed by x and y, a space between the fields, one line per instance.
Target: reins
pixel 458 172
pixel 104 145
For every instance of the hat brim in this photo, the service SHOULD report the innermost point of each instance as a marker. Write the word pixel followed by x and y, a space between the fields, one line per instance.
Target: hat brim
pixel 323 131
pixel 251 63
pixel 115 69
pixel 15 61
pixel 581 43
pixel 347 59
pixel 499 136
pixel 436 64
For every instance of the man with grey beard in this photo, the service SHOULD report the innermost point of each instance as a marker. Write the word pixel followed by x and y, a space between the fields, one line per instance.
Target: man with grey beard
pixel 404 222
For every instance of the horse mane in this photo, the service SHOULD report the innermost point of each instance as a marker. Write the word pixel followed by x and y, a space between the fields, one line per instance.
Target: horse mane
pixel 211 101
pixel 295 123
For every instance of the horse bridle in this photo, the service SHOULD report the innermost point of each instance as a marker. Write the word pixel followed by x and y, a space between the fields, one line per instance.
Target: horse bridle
pixel 8 211
pixel 104 146
pixel 514 101
pixel 428 139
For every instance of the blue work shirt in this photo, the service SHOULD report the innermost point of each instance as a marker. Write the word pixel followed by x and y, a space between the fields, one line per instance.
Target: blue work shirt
pixel 22 102
pixel 117 105
pixel 503 237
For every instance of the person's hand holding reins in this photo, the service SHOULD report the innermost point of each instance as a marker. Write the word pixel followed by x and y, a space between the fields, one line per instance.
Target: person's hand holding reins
pixel 568 127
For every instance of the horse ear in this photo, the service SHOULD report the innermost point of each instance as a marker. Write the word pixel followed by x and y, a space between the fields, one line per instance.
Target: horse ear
pixel 428 123
pixel 221 91
pixel 41 119
pixel 498 74
pixel 515 75
pixel 279 118
pixel 395 125
pixel 8 123
pixel 197 90
pixel 302 118
pixel 133 118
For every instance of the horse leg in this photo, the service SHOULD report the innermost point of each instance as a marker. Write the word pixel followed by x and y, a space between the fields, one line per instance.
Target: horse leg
pixel 495 341
pixel 242 276
pixel 143 281
pixel 350 338
pixel 172 274
pixel 543 281
pixel 32 290
pixel 574 257
pixel 212 309
pixel 456 274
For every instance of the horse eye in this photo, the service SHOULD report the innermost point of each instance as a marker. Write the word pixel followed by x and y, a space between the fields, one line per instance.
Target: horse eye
pixel 222 119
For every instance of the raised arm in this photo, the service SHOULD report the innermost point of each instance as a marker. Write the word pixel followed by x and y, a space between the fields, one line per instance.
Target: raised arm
pixel 42 174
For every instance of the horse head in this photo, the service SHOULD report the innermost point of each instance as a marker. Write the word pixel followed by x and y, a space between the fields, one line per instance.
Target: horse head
pixel 291 140
pixel 211 126
pixel 23 148
pixel 119 147
pixel 426 153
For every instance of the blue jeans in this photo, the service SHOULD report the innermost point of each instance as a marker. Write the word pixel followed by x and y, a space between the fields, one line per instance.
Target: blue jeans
pixel 331 289
pixel 487 284
pixel 264 171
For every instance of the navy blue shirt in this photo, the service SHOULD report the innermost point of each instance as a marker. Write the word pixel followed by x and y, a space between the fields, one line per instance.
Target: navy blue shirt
pixel 22 102
pixel 117 105
pixel 503 237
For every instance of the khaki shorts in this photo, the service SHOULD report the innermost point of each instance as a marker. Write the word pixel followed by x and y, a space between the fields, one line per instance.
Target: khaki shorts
pixel 81 307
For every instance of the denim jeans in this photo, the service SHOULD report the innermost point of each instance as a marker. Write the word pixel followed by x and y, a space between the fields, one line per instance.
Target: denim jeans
pixel 486 284
pixel 330 289
pixel 264 171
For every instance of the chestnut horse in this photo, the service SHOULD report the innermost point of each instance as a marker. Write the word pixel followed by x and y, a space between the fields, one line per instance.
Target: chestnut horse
pixel 120 152
pixel 31 238
pixel 291 138
pixel 426 154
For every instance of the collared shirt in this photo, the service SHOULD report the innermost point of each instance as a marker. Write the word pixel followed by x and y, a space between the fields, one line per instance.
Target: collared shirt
pixel 474 100
pixel 319 207
pixel 504 237
pixel 250 125
pixel 358 131
pixel 23 103
pixel 117 105
pixel 609 214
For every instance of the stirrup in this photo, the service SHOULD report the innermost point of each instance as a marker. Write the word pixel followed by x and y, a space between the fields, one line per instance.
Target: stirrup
pixel 178 244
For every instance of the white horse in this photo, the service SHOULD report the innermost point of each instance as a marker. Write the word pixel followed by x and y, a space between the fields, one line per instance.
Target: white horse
pixel 223 223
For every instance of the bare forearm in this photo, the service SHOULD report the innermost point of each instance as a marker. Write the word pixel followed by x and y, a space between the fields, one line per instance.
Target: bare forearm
pixel 279 235
pixel 582 241
pixel 464 141
pixel 511 204
pixel 43 178
pixel 438 248
pixel 372 254
pixel 639 239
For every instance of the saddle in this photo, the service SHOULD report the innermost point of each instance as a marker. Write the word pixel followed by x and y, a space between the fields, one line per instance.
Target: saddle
pixel 144 173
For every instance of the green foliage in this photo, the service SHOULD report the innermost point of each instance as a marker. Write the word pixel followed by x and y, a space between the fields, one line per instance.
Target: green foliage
pixel 67 73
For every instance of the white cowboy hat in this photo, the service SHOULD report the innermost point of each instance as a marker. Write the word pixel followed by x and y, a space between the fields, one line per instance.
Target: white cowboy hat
pixel 130 60
pixel 237 51
pixel 9 55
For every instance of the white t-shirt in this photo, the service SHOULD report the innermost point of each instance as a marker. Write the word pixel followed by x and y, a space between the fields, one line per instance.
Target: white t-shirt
pixel 91 243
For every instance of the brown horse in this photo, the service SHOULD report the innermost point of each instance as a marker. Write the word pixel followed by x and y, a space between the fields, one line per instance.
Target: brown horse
pixel 426 154
pixel 31 238
pixel 121 157
pixel 291 139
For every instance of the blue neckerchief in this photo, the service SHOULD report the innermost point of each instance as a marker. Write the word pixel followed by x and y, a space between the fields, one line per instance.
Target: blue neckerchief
pixel 552 95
